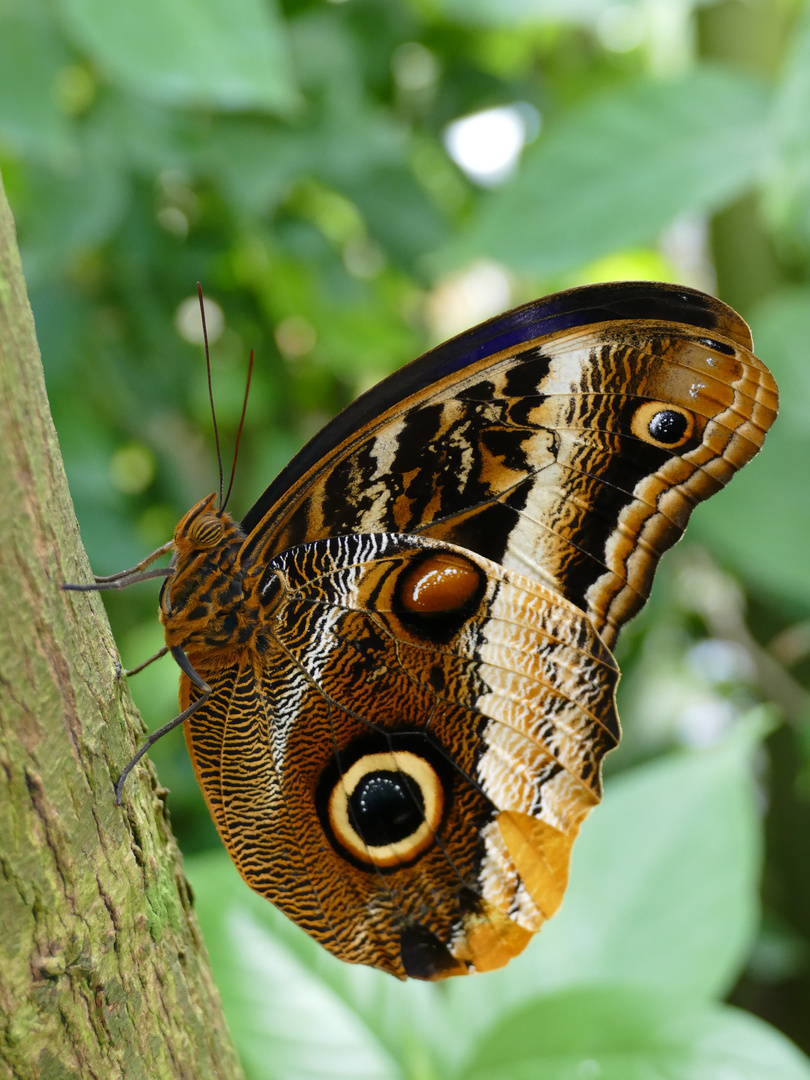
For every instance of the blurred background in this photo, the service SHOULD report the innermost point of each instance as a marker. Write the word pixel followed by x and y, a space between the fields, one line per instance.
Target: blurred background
pixel 352 182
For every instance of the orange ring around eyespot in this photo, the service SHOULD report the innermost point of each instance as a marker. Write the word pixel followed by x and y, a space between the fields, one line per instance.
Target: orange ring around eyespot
pixel 646 413
pixel 402 851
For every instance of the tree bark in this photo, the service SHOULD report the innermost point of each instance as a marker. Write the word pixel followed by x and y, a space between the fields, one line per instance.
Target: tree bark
pixel 103 972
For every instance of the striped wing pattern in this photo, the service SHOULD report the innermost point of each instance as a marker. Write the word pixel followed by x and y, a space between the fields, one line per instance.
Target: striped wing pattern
pixel 408 637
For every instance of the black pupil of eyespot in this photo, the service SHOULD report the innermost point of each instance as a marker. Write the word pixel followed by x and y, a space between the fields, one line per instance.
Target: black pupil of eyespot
pixel 668 426
pixel 386 807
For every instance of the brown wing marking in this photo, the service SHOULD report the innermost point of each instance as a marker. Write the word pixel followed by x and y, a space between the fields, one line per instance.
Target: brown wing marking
pixel 383 673
pixel 531 459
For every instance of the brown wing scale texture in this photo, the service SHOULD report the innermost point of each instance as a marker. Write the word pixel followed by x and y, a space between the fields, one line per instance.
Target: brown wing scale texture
pixel 407 640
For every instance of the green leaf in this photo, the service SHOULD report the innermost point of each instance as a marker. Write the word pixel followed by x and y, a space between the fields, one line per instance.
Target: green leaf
pixel 522 12
pixel 257 163
pixel 793 96
pixel 667 875
pixel 624 1033
pixel 616 173
pixel 664 885
pixel 297 1012
pixel 69 212
pixel 31 57
pixel 415 225
pixel 224 54
pixel 787 203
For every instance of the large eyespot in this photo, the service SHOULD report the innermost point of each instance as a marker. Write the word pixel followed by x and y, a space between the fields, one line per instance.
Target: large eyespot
pixel 206 531
pixel 438 593
pixel 385 809
pixel 667 426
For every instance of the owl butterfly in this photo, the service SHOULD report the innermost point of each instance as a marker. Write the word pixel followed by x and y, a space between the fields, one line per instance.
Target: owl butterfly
pixel 397 680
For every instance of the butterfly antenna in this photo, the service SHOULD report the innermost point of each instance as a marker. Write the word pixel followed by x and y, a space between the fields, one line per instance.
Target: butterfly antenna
pixel 239 431
pixel 210 389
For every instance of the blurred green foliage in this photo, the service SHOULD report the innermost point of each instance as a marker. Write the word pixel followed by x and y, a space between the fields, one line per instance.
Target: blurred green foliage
pixel 293 157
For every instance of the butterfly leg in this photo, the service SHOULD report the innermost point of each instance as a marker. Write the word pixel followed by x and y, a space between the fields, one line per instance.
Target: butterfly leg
pixel 201 684
pixel 127 577
pixel 156 656
pixel 116 581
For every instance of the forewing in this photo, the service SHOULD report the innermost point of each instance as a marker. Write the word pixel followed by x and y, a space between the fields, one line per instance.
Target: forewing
pixel 568 440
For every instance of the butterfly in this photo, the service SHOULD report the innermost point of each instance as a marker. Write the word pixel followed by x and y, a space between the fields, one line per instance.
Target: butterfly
pixel 397 683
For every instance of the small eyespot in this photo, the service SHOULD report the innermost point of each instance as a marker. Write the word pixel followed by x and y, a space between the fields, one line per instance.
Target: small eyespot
pixel 667 426
pixel 206 531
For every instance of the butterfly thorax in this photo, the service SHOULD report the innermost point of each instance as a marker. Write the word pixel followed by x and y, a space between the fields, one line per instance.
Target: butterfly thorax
pixel 204 607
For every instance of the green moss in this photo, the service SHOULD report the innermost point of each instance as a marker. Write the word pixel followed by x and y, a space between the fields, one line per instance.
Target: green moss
pixel 164 908
pixel 51 1068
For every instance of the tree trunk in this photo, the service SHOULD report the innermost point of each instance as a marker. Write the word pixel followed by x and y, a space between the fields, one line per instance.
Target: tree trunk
pixel 103 972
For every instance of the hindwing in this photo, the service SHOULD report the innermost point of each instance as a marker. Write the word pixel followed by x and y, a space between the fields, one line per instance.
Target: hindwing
pixel 406 781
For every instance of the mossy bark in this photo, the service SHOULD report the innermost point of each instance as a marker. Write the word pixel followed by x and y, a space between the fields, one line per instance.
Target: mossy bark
pixel 103 972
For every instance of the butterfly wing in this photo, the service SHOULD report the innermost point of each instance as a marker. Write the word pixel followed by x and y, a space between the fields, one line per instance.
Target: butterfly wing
pixel 406 732
pixel 403 761
pixel 569 440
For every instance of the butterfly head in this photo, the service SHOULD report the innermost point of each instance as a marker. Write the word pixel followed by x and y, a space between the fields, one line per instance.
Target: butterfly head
pixel 205 528
pixel 206 541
